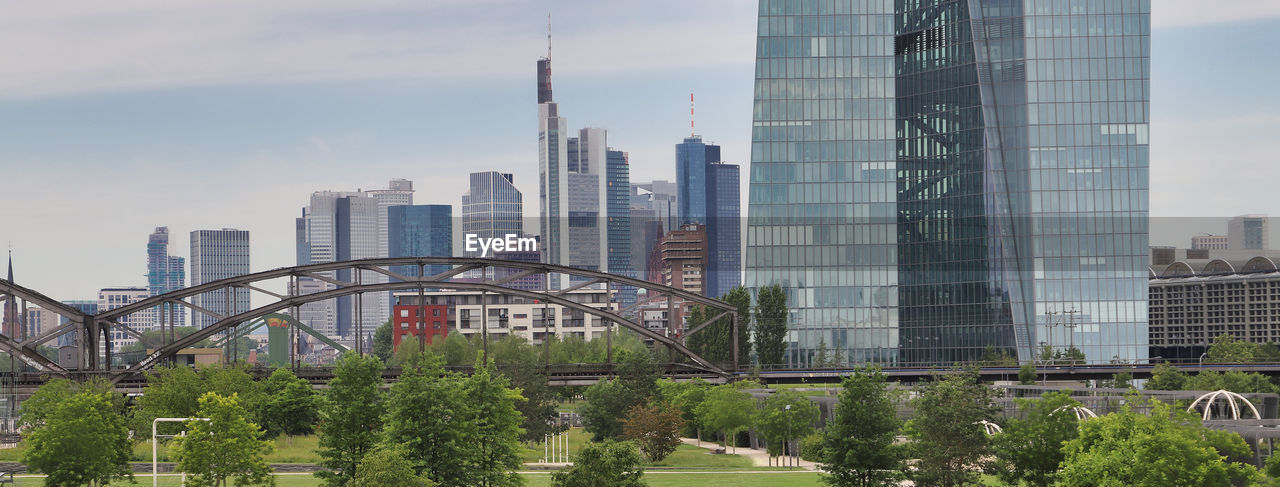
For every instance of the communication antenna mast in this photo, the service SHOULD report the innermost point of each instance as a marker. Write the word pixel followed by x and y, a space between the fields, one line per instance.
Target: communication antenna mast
pixel 691 131
pixel 548 35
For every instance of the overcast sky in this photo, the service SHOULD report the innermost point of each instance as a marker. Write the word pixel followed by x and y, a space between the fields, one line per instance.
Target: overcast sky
pixel 118 117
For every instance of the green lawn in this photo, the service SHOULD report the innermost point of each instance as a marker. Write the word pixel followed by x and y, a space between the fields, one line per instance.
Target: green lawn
pixel 299 449
pixel 658 479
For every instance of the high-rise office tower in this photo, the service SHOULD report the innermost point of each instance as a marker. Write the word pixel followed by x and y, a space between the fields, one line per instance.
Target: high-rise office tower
pixel 86 306
pixel 492 207
pixel 165 272
pixel 141 321
pixel 420 231
pixel 930 178
pixel 215 255
pixel 710 196
pixel 575 177
pixel 1249 232
pixel 340 226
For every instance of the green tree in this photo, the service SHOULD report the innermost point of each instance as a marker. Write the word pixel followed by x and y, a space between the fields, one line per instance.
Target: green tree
pixel 350 417
pixel 429 414
pixel 495 452
pixel 771 325
pixel 858 444
pixel 226 446
pixel 654 429
pixel 36 409
pixel 740 298
pixel 171 392
pixel 383 342
pixel 786 417
pixel 728 410
pixel 1165 377
pixel 81 440
pixel 388 466
pixel 1231 380
pixel 607 463
pixel 293 406
pixel 607 402
pixel 1029 450
pixel 997 357
pixel 1227 349
pixel 1167 447
pixel 822 358
pixel 949 441
pixel 456 350
pixel 1027 375
pixel 686 396
pixel 520 363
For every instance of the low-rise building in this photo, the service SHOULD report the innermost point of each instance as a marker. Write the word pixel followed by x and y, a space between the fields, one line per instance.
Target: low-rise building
pixel 507 315
pixel 1194 301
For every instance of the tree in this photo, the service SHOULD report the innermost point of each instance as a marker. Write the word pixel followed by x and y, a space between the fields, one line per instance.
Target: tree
pixel 1165 377
pixel 997 357
pixel 350 417
pixel 1227 349
pixel 520 363
pixel 948 438
pixel 607 463
pixel 456 350
pixel 686 396
pixel 81 440
pixel 388 466
pixel 740 298
pixel 225 446
pixel 858 444
pixel 727 410
pixel 771 325
pixel 654 429
pixel 171 392
pixel 36 409
pixel 292 408
pixel 1231 380
pixel 496 449
pixel 785 417
pixel 822 358
pixel 429 414
pixel 1027 375
pixel 606 403
pixel 1167 447
pixel 1029 450
pixel 383 342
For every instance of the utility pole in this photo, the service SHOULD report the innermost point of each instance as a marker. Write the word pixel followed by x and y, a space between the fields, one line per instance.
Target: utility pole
pixel 1071 332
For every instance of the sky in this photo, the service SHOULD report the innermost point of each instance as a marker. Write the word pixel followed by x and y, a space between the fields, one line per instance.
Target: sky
pixel 119 117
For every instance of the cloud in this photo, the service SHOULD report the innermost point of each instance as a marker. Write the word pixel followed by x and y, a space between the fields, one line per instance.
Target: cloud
pixel 83 47
pixel 1186 13
pixel 1214 166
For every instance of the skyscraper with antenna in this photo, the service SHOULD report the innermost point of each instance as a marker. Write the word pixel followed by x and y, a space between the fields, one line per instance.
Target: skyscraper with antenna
pixel 582 190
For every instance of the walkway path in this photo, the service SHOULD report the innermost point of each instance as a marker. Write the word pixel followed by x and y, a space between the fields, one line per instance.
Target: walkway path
pixel 759 458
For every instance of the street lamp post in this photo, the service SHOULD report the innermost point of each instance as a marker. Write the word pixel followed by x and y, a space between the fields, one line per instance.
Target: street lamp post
pixel 786 444
pixel 155 451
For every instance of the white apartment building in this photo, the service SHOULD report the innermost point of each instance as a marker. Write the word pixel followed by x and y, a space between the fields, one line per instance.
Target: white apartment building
pixel 141 321
pixel 516 315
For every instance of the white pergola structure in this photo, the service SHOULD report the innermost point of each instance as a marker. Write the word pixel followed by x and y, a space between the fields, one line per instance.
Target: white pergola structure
pixel 1231 399
pixel 1082 413
pixel 990 428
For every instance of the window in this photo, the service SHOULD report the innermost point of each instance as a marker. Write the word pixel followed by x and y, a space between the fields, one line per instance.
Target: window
pixel 404 313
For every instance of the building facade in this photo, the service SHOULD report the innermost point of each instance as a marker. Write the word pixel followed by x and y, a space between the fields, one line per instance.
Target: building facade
pixel 1249 232
pixel 215 255
pixel 165 273
pixel 492 207
pixel 1210 242
pixel 710 195
pixel 582 193
pixel 931 178
pixel 513 315
pixel 423 323
pixel 1195 301
pixel 338 226
pixel 420 231
pixel 142 321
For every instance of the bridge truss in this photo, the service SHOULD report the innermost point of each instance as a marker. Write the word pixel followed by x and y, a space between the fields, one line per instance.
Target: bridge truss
pixel 496 276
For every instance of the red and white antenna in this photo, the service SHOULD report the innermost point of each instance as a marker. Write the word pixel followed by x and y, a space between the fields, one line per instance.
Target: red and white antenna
pixel 691 131
pixel 548 35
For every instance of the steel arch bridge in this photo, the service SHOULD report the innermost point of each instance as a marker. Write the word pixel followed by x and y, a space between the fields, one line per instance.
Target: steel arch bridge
pixel 94 331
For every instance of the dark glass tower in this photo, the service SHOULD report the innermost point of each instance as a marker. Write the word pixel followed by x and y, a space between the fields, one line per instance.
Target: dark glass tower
pixel 932 179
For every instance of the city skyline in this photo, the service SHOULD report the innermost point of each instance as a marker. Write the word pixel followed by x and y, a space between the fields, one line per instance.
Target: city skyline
pixel 62 132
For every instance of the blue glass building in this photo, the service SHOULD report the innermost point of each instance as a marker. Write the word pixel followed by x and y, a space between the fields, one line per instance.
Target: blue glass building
pixel 419 231
pixel 165 273
pixel 709 194
pixel 933 178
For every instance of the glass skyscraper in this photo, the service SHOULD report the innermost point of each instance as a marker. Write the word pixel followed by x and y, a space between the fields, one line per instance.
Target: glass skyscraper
pixel 219 254
pixel 709 194
pixel 420 231
pixel 932 179
pixel 492 207
pixel 165 273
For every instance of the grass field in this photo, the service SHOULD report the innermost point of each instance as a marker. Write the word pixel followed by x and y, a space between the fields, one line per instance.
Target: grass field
pixel 654 479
